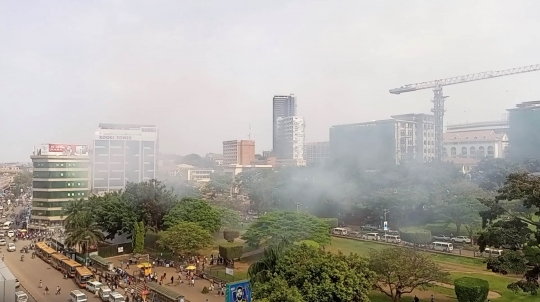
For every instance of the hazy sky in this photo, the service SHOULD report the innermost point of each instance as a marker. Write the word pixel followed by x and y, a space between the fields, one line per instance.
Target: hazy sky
pixel 204 70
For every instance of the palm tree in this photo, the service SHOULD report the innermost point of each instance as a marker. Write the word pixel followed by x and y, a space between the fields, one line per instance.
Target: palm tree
pixel 83 231
pixel 73 210
pixel 261 270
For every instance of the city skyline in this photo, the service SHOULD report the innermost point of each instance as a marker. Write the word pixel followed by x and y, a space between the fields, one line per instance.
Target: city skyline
pixel 217 66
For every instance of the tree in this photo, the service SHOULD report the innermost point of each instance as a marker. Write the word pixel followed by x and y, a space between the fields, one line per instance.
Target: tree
pixel 471 289
pixel 491 173
pixel 151 201
pixel 138 238
pixel 399 271
pixel 230 219
pixel 512 234
pixel 263 269
pixel 194 210
pixel 461 204
pixel 83 231
pixel 22 181
pixel 319 276
pixel 113 214
pixel 220 183
pixel 273 227
pixel 73 211
pixel 277 290
pixel 185 238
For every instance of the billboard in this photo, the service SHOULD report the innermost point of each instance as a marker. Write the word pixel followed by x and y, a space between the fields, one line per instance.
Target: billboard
pixel 238 291
pixel 63 149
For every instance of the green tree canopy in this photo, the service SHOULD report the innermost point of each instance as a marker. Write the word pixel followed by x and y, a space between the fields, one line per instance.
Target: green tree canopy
pixel 399 271
pixel 273 227
pixel 151 201
pixel 194 210
pixel 185 238
pixel 22 181
pixel 318 276
pixel 113 214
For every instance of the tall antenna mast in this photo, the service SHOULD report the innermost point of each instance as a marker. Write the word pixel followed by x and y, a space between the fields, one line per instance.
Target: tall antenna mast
pixel 249 135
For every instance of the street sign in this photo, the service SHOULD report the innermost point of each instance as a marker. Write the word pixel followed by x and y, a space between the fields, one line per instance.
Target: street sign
pixel 386 225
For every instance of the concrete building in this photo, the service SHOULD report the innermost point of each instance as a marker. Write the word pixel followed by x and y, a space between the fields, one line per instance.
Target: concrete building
pixel 61 174
pixel 217 158
pixel 7 283
pixel 190 173
pixel 316 152
pixel 5 182
pixel 240 152
pixel 234 170
pixel 283 106
pixel 124 153
pixel 290 138
pixel 524 134
pixel 477 144
pixel 501 126
pixel 376 144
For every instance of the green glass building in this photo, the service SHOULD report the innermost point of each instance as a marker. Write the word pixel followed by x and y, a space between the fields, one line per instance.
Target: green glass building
pixel 57 179
pixel 524 132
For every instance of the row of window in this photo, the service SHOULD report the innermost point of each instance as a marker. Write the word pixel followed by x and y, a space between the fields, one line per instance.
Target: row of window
pixel 58 174
pixel 60 165
pixel 47 213
pixel 472 151
pixel 54 204
pixel 54 195
pixel 59 184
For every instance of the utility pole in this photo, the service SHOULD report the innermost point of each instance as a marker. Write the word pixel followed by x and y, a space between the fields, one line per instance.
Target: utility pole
pixel 385 224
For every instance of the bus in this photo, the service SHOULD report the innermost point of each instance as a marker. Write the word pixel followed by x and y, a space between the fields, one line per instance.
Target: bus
pixel 56 260
pixel 68 267
pixel 82 275
pixel 339 231
pixel 46 253
pixel 39 248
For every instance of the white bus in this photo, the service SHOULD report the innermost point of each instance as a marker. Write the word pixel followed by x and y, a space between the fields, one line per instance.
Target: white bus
pixel 339 231
pixel 442 246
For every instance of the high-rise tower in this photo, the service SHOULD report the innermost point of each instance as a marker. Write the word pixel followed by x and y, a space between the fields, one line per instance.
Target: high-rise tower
pixel 283 106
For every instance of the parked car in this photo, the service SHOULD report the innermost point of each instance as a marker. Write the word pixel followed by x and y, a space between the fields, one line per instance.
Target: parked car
pixel 441 238
pixel 11 247
pixel 461 239
pixel 369 227
pixel 3 242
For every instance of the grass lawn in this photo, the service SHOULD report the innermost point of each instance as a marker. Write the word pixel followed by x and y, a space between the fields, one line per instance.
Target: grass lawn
pixel 498 283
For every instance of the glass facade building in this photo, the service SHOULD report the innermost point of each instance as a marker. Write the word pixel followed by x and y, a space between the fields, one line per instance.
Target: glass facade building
pixel 122 154
pixel 57 180
pixel 524 131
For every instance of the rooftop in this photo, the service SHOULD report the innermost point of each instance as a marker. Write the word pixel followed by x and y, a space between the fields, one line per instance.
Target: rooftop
pixel 479 135
pixel 125 126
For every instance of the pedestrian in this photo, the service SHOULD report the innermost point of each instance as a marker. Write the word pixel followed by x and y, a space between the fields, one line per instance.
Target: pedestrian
pixel 40 284
pixel 172 279
pixel 46 290
pixel 57 290
pixel 416 299
pixel 432 299
pixel 132 291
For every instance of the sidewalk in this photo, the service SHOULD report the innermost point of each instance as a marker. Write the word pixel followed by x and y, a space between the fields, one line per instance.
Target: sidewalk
pixel 193 294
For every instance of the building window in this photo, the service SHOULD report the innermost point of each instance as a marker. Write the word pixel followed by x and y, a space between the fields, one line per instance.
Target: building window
pixel 464 151
pixel 445 154
pixel 490 151
pixel 481 152
pixel 453 151
pixel 473 152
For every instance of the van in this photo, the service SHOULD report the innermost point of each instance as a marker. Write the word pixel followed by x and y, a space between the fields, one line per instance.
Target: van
pixel 6 225
pixel 391 238
pixel 339 231
pixel 492 252
pixel 116 297
pixel 371 236
pixel 104 292
pixel 77 296
pixel 442 246
pixel 93 286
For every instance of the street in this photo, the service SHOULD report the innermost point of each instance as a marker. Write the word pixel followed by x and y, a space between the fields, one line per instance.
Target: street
pixel 31 271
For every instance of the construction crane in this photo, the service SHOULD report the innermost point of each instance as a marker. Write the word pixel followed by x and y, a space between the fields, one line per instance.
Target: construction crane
pixel 438 99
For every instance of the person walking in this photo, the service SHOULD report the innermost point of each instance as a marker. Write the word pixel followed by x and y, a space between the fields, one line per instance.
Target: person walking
pixel 57 290
pixel 46 290
pixel 40 284
pixel 416 299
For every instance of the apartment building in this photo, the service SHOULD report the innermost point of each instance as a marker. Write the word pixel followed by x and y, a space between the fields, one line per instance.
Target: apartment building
pixel 238 152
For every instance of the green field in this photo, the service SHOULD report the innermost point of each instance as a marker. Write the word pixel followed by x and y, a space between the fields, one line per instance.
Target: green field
pixel 459 267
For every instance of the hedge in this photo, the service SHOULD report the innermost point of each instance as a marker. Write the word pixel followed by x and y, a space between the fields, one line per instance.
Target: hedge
pixel 332 222
pixel 471 289
pixel 418 236
pixel 231 251
pixel 230 235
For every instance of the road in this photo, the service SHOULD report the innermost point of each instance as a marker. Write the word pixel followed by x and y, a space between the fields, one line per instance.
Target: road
pixel 31 271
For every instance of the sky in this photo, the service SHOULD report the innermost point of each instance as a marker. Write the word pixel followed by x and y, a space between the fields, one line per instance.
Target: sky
pixel 204 71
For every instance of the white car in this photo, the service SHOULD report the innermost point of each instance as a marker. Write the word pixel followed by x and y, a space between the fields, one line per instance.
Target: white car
pixel 461 239
pixel 3 242
pixel 10 234
pixel 17 283
pixel 11 247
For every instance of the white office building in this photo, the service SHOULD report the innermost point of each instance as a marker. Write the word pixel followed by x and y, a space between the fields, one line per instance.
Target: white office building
pixel 290 138
pixel 123 153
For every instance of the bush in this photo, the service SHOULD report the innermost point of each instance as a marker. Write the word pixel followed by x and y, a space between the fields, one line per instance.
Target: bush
pixel 231 251
pixel 230 235
pixel 309 243
pixel 332 222
pixel 205 290
pixel 418 236
pixel 471 289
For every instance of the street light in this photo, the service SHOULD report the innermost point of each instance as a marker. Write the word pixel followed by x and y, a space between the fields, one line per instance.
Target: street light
pixel 385 224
